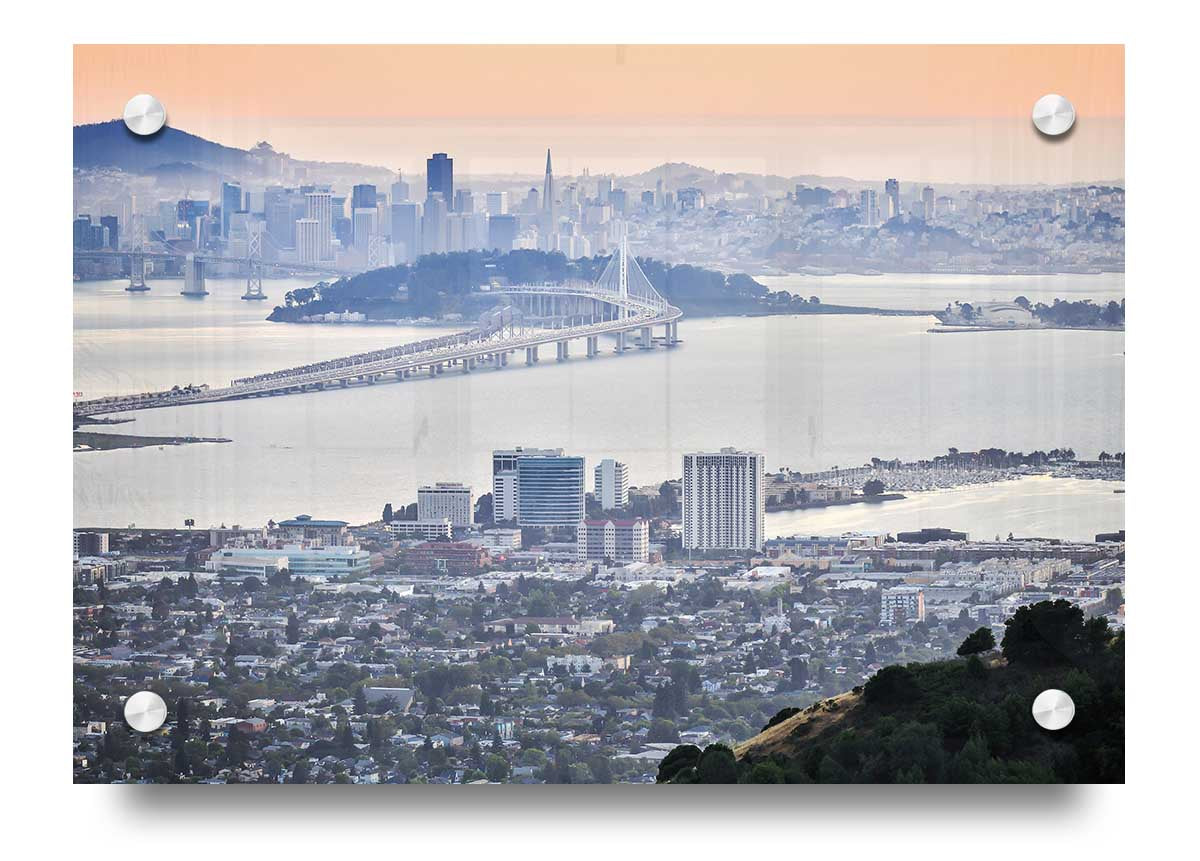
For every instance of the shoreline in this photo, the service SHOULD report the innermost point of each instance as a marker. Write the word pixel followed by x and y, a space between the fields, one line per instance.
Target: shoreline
pixel 93 441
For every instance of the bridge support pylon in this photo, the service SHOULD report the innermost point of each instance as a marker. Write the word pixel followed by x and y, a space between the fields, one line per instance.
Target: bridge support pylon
pixel 593 346
pixel 563 350
pixel 620 348
pixel 647 338
pixel 531 355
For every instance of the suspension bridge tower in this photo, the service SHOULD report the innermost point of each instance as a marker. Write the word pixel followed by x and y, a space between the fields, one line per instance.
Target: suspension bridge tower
pixel 137 259
pixel 254 288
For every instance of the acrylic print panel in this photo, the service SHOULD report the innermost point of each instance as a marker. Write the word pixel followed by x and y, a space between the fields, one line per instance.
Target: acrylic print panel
pixel 682 424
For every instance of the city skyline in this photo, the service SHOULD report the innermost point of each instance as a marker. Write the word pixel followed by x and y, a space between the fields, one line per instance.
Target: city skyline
pixel 728 108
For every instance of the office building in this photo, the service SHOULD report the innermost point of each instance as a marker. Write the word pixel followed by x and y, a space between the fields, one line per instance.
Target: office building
pixel 724 507
pixel 300 561
pixel 445 500
pixel 434 226
pixel 550 490
pixel 439 177
pixel 406 232
pixel 612 484
pixel 231 202
pixel 112 231
pixel 319 207
pixel 538 487
pixel 363 197
pixel 497 203
pixel 308 241
pixel 502 232
pixel 868 207
pixel 425 530
pixel 927 203
pixel 891 190
pixel 618 541
pixel 399 190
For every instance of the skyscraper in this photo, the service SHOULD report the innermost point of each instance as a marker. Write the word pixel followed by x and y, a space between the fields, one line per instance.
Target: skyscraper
pixel 319 207
pixel 927 202
pixel 406 231
pixel 723 503
pixel 231 202
pixel 399 189
pixel 548 187
pixel 308 240
pixel 550 490
pixel 537 487
pixel 612 484
pixel 363 197
pixel 891 189
pixel 502 232
pixel 439 177
pixel 434 225
pixel 869 208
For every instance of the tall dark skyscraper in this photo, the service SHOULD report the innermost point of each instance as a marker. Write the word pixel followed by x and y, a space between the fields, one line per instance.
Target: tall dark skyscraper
pixel 109 223
pixel 439 177
pixel 363 197
pixel 548 186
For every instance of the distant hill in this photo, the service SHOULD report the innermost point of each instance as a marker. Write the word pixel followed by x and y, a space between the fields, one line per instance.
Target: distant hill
pixel 175 155
pixel 960 721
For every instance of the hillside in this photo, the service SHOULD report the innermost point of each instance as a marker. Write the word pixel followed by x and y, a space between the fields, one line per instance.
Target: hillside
pixel 960 721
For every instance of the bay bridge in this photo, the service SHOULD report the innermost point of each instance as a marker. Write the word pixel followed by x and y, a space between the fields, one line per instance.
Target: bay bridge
pixel 621 304
pixel 194 264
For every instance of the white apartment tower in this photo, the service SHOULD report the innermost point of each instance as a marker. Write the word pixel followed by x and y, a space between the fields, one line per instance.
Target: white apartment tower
pixel 445 500
pixel 724 507
pixel 612 484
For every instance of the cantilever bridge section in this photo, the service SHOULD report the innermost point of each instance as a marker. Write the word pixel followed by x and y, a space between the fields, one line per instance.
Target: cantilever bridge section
pixel 621 304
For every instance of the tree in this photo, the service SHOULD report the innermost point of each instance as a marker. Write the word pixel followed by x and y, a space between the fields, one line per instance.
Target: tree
pixel 1048 632
pixel 891 686
pixel 681 758
pixel 979 640
pixel 387 513
pixel 874 487
pixel 717 765
pixel 293 629
pixel 496 768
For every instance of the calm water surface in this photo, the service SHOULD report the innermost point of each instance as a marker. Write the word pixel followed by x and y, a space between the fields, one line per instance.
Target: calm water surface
pixel 809 392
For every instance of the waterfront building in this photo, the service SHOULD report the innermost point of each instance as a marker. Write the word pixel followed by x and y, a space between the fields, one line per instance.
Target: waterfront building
pixel 612 484
pixel 620 541
pixel 444 499
pixel 724 506
pixel 504 480
pixel 550 490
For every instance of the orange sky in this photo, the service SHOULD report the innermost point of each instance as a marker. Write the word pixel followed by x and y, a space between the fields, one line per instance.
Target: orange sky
pixel 238 94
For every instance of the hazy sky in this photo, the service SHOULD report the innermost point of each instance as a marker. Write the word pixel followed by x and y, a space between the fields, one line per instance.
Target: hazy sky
pixel 919 112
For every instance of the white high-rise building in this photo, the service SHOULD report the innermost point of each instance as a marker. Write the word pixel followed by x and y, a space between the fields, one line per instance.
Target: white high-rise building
pixel 308 240
pixel 724 507
pixel 612 484
pixel 445 500
pixel 319 206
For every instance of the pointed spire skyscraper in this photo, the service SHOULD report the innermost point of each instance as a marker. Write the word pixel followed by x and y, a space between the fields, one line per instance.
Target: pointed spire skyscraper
pixel 548 187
